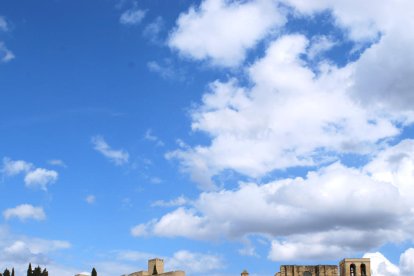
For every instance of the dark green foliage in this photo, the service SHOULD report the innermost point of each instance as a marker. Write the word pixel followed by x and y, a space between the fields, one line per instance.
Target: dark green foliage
pixel 29 270
pixel 12 271
pixel 35 272
pixel 6 272
pixel 94 272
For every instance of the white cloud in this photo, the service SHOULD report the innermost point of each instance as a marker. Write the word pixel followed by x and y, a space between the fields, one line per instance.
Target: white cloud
pixel 222 31
pixel 319 45
pixel 383 72
pixel 90 199
pixel 166 70
pixel 407 262
pixel 5 54
pixel 57 162
pixel 134 256
pixel 192 262
pixel 4 26
pixel 289 117
pixel 139 230
pixel 17 251
pixel 34 177
pixel 288 251
pixel 132 16
pixel 334 209
pixel 149 136
pixel 11 168
pixel 381 266
pixel 25 212
pixel 119 157
pixel 40 178
pixel 153 30
pixel 179 201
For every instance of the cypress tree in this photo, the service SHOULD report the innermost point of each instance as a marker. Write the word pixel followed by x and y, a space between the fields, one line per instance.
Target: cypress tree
pixel 29 270
pixel 6 272
pixel 37 272
pixel 12 271
pixel 94 272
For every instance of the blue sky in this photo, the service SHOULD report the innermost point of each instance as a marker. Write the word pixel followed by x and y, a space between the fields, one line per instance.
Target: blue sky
pixel 218 135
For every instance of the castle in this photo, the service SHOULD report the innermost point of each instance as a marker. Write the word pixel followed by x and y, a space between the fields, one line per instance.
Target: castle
pixel 347 267
pixel 156 267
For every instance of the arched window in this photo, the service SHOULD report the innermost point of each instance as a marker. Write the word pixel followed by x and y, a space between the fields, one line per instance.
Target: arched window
pixel 307 273
pixel 363 270
pixel 353 269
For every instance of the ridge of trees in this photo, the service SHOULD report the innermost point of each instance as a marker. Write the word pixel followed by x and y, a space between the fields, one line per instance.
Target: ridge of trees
pixel 37 271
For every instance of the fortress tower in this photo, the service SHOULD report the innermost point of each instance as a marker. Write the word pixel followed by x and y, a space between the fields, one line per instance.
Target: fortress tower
pixel 155 266
pixel 355 267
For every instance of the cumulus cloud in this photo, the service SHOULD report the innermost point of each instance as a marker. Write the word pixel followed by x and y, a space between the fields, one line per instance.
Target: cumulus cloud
pixel 132 16
pixel 193 262
pixel 18 251
pixel 407 262
pixel 40 178
pixel 289 117
pixel 11 167
pixel 334 209
pixel 222 31
pixel 381 266
pixel 34 177
pixel 119 157
pixel 25 212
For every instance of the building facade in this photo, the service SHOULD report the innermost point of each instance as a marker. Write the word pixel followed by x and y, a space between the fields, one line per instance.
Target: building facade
pixel 347 267
pixel 156 267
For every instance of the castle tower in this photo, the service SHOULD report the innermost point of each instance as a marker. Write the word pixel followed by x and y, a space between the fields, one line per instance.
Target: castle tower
pixel 355 267
pixel 155 266
pixel 244 273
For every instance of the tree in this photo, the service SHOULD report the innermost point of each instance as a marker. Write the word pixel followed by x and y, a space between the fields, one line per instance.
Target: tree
pixel 6 272
pixel 29 270
pixel 45 273
pixel 12 271
pixel 94 272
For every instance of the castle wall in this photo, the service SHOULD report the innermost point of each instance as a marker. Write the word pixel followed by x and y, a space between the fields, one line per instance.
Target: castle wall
pixel 315 270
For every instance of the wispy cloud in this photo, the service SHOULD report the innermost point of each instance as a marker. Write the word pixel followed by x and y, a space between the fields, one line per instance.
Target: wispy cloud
pixel 149 136
pixel 5 54
pixel 90 199
pixel 25 212
pixel 152 30
pixel 57 162
pixel 119 157
pixel 179 201
pixel 4 26
pixel 133 16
